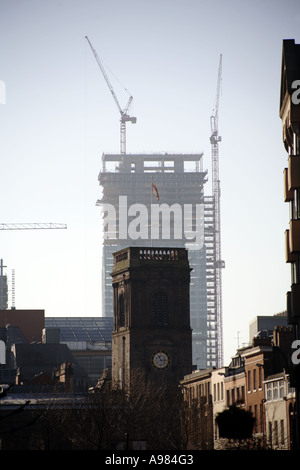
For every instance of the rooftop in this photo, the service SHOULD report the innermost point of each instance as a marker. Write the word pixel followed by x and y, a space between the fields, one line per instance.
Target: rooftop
pixel 141 256
pixel 88 329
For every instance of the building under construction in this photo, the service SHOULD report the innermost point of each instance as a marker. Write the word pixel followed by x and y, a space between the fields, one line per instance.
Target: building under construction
pixel 135 188
pixel 179 216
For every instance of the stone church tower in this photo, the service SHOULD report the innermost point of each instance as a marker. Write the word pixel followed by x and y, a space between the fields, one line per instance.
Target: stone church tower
pixel 152 334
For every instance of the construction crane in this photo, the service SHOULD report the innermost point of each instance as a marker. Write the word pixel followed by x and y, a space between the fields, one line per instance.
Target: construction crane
pixel 32 226
pixel 124 112
pixel 219 264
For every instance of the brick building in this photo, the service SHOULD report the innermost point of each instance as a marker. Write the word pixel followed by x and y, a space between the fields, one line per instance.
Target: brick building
pixel 244 383
pixel 199 418
pixel 266 357
pixel 279 412
pixel 30 322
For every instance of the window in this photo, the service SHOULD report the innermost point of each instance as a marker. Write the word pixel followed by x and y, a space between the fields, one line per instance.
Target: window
pixel 254 379
pixel 159 309
pixel 243 394
pixel 281 389
pixel 269 391
pixel 275 390
pixel 216 429
pixel 275 433
pixel 256 418
pixel 227 398
pixel 282 431
pixel 121 311
pixel 270 433
pixel 260 377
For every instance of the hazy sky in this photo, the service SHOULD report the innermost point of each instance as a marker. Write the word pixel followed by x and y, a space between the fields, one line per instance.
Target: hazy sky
pixel 59 117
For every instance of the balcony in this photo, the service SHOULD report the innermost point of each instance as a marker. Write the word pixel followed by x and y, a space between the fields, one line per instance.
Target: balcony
pixel 289 257
pixel 294 172
pixel 294 236
pixel 287 194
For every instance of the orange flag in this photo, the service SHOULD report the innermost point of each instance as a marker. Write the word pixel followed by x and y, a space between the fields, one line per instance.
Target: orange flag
pixel 154 188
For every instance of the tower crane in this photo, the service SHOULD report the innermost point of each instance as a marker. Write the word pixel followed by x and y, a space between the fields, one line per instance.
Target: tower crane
pixel 32 226
pixel 219 264
pixel 123 112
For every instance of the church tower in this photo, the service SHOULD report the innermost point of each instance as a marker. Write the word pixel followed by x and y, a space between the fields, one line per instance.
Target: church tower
pixel 152 335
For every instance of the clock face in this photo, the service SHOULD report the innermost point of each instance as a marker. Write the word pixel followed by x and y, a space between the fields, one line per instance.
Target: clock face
pixel 161 360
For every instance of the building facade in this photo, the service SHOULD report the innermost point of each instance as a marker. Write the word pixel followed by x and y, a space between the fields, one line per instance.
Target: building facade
pixel 218 389
pixel 135 189
pixel 265 324
pixel 258 361
pixel 279 401
pixel 256 380
pixel 88 338
pixel 197 392
pixel 290 115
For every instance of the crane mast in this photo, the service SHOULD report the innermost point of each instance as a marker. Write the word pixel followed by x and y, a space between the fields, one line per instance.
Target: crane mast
pixel 219 264
pixel 123 112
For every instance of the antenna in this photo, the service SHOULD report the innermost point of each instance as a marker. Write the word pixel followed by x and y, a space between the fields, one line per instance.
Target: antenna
pixel 13 304
pixel 238 338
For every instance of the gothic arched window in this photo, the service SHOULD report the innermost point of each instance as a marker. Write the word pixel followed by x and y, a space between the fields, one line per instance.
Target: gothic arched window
pixel 159 309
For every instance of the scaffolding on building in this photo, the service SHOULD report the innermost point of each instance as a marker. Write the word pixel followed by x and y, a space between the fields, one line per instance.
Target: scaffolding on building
pixel 216 194
pixel 179 179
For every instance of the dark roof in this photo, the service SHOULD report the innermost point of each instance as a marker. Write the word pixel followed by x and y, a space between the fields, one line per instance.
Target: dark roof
pixel 33 359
